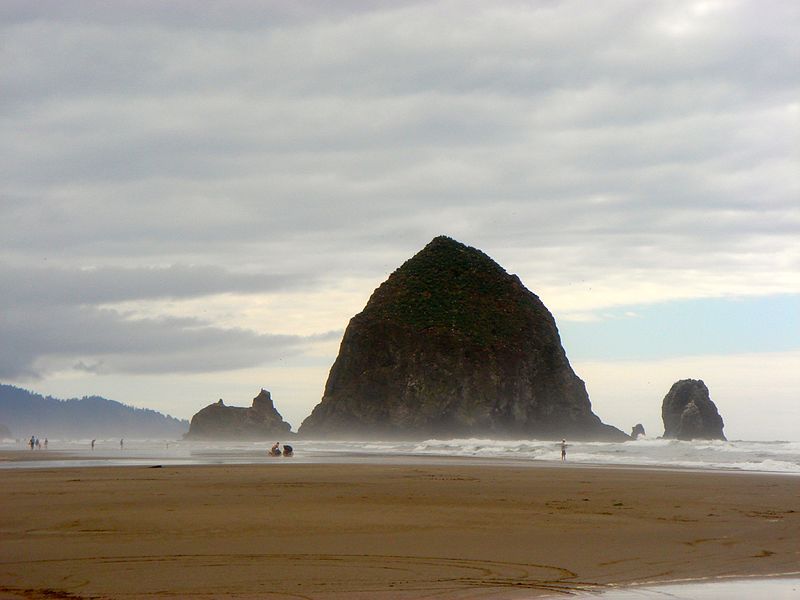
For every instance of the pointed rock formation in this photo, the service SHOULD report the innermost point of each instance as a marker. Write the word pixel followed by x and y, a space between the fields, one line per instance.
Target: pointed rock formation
pixel 637 430
pixel 452 345
pixel 689 413
pixel 220 422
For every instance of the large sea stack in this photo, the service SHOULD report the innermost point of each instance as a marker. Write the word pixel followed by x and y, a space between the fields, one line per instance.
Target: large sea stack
pixel 219 422
pixel 451 345
pixel 689 413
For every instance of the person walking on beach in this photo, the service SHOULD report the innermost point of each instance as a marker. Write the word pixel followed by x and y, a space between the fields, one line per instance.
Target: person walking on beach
pixel 32 443
pixel 563 450
pixel 45 443
pixel 121 443
pixel 93 441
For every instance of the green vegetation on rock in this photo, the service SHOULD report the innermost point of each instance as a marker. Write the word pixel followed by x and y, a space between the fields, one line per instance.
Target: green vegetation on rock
pixel 452 345
pixel 450 286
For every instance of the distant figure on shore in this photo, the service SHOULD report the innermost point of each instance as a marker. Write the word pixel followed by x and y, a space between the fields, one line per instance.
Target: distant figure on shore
pixel 275 450
pixel 563 450
pixel 93 441
pixel 121 444
pixel 288 450
pixel 32 443
pixel 38 444
pixel 45 443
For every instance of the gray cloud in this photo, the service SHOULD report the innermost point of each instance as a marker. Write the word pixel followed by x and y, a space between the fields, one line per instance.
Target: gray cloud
pixel 36 342
pixel 37 286
pixel 285 145
pixel 52 318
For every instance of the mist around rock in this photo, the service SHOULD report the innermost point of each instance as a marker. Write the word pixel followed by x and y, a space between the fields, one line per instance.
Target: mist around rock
pixel 452 345
pixel 449 346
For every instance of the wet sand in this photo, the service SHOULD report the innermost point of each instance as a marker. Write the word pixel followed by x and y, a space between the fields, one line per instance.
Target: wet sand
pixel 289 530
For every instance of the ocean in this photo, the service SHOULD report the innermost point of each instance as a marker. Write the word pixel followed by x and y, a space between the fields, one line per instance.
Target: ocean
pixel 737 455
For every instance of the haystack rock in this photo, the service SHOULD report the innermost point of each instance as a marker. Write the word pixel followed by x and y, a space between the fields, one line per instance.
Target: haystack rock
pixel 220 422
pixel 451 346
pixel 637 430
pixel 689 413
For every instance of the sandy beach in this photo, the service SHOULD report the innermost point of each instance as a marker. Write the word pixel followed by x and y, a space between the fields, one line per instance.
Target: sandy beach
pixel 289 530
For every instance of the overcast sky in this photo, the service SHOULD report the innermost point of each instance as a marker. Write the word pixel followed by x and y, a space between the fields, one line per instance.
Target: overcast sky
pixel 196 197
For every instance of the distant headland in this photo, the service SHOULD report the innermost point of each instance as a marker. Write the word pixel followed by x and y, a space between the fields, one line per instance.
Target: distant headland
pixel 25 413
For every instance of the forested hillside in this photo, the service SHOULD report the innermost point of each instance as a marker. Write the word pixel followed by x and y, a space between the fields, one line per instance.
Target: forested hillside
pixel 26 413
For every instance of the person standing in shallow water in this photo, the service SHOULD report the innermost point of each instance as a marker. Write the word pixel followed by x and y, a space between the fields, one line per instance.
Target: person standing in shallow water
pixel 563 450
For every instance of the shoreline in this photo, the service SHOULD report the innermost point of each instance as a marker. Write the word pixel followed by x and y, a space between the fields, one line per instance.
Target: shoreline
pixel 26 459
pixel 765 457
pixel 330 531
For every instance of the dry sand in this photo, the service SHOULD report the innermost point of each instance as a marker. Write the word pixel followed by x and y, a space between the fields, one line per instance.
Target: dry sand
pixel 289 530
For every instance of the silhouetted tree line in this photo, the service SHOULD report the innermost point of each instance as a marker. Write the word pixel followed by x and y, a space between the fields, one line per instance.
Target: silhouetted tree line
pixel 26 413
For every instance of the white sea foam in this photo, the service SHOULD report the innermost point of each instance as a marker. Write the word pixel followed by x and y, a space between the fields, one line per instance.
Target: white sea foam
pixel 775 588
pixel 780 457
pixel 774 457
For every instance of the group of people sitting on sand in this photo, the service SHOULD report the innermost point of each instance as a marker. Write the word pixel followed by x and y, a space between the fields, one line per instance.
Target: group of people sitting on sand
pixel 276 450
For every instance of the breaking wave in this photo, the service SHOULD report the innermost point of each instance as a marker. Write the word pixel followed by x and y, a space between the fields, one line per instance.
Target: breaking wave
pixel 737 455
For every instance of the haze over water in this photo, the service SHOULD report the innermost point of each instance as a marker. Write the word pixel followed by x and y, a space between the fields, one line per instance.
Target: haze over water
pixel 748 456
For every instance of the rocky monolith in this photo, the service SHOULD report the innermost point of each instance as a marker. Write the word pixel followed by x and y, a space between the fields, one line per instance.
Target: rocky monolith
pixel 219 422
pixel 689 413
pixel 637 430
pixel 452 345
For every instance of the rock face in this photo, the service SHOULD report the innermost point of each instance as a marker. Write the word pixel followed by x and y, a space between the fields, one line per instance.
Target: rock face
pixel 452 345
pixel 637 430
pixel 689 413
pixel 220 422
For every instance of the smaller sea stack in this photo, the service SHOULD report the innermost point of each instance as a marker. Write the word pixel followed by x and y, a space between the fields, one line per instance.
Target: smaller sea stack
pixel 689 413
pixel 219 422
